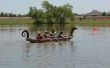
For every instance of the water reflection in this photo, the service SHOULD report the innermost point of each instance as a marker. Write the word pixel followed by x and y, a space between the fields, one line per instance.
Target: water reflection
pixel 49 27
pixel 26 51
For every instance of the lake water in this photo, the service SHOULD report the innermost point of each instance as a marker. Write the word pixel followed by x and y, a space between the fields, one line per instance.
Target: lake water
pixel 88 49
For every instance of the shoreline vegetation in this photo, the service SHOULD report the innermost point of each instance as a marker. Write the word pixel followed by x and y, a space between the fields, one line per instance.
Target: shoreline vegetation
pixel 16 21
pixel 30 21
pixel 91 22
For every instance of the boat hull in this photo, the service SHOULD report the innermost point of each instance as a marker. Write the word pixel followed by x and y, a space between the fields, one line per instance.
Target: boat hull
pixel 47 40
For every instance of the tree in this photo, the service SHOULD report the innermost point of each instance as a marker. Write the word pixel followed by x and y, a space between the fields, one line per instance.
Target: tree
pixel 37 15
pixel 104 14
pixel 10 15
pixel 66 13
pixel 60 14
pixel 2 14
pixel 51 13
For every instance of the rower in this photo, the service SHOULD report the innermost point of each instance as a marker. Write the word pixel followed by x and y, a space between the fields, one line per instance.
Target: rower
pixel 61 35
pixel 53 33
pixel 39 36
pixel 45 35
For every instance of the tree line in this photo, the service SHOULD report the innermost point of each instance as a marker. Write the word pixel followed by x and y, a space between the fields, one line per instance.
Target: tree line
pixel 51 13
pixel 105 14
pixel 3 14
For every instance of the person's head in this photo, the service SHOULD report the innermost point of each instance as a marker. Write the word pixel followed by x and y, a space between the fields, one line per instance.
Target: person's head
pixel 53 31
pixel 38 33
pixel 46 32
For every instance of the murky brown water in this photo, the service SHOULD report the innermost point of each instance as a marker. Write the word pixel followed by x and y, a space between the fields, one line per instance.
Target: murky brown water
pixel 87 49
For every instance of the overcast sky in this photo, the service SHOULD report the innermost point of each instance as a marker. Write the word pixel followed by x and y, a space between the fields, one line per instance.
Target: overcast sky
pixel 79 6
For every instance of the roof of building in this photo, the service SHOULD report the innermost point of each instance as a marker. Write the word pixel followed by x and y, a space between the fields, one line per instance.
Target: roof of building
pixel 94 13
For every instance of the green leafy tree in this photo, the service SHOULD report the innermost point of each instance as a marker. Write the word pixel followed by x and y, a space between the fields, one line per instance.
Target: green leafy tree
pixel 59 14
pixel 2 14
pixel 37 14
pixel 51 13
pixel 48 9
pixel 104 14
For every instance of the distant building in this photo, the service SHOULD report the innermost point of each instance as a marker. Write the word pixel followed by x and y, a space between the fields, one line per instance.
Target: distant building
pixel 94 13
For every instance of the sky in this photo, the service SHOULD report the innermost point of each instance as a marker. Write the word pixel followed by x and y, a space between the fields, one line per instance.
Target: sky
pixel 79 6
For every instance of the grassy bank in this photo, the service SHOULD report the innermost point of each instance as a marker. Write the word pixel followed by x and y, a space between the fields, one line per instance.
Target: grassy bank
pixel 91 22
pixel 15 21
pixel 29 21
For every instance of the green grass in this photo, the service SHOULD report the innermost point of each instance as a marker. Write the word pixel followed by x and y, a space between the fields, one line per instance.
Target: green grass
pixel 29 21
pixel 90 22
pixel 16 21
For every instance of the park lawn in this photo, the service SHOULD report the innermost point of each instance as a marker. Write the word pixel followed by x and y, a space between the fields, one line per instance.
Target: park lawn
pixel 16 21
pixel 91 22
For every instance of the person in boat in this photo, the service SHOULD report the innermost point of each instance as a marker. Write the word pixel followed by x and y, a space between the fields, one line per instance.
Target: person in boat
pixel 52 33
pixel 47 34
pixel 39 36
pixel 61 35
